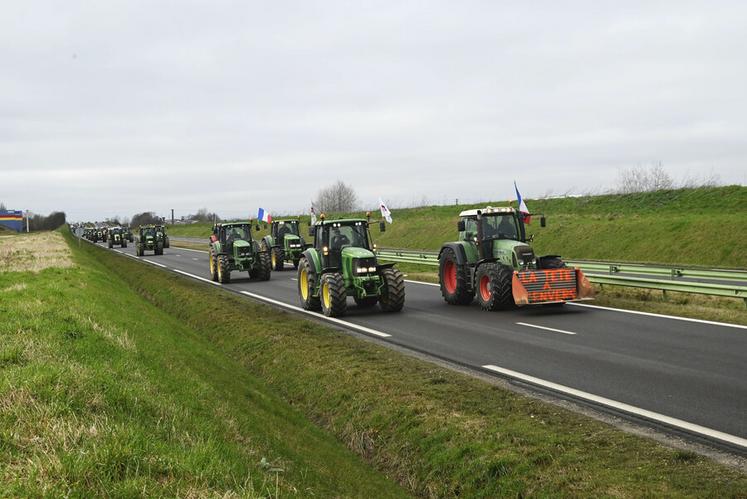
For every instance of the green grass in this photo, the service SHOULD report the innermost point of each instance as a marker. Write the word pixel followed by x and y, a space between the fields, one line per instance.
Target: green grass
pixel 104 394
pixel 703 226
pixel 437 432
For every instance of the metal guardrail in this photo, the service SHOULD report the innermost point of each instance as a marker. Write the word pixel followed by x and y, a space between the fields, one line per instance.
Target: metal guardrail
pixel 610 273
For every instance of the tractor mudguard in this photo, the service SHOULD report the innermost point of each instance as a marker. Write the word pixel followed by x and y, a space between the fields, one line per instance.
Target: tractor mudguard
pixel 458 248
pixel 268 241
pixel 313 257
pixel 384 266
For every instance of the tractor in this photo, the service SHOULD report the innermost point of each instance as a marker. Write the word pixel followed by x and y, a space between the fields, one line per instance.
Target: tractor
pixel 162 230
pixel 284 243
pixel 116 238
pixel 127 234
pixel 492 260
pixel 150 239
pixel 232 248
pixel 342 263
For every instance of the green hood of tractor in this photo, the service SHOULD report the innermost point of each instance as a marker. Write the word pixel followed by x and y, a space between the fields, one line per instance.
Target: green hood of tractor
pixel 505 249
pixel 350 253
pixel 240 243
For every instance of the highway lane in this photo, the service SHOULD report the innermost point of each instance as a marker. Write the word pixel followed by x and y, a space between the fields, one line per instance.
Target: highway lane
pixel 690 370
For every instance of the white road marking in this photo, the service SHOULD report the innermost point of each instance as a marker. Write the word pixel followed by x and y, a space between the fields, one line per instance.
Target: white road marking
pixel 423 283
pixel 195 259
pixel 675 317
pixel 293 279
pixel 347 324
pixel 190 249
pixel 131 256
pixel 155 263
pixel 655 416
pixel 197 277
pixel 545 328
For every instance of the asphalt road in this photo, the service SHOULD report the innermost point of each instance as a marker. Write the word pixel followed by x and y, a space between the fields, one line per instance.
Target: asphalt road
pixel 669 372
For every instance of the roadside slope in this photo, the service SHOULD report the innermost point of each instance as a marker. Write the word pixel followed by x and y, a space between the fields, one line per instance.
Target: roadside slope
pixel 102 393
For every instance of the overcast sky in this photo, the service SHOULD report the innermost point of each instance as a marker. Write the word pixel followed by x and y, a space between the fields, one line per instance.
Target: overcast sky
pixel 110 108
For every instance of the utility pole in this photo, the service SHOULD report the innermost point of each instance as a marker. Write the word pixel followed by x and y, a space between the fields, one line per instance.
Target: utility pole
pixel 172 216
pixel 27 221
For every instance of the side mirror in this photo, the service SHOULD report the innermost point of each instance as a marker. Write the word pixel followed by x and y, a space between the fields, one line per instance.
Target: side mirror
pixel 460 226
pixel 543 222
pixel 312 230
pixel 530 238
pixel 382 226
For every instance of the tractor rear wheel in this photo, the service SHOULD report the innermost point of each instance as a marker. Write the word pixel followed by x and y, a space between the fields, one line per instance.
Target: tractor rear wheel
pixel 307 285
pixel 392 297
pixel 140 250
pixel 278 258
pixel 334 295
pixel 166 243
pixel 454 279
pixel 213 266
pixel 224 270
pixel 366 302
pixel 494 291
pixel 263 267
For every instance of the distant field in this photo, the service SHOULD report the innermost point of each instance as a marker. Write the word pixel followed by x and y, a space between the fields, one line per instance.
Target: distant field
pixel 686 226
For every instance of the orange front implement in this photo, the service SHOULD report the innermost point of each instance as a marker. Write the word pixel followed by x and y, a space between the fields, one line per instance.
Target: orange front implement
pixel 551 285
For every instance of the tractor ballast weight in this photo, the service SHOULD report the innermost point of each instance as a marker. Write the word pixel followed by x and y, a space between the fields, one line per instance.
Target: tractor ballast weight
pixel 233 248
pixel 149 239
pixel 492 261
pixel 284 243
pixel 116 238
pixel 341 263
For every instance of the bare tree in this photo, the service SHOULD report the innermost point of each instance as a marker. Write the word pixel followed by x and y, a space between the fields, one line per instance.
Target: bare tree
pixel 338 197
pixel 2 206
pixel 641 179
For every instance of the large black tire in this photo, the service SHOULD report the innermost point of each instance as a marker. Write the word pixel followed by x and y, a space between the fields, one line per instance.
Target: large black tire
pixel 333 294
pixel 454 279
pixel 224 270
pixel 111 243
pixel 140 250
pixel 494 287
pixel 366 302
pixel 213 265
pixel 392 297
pixel 307 285
pixel 278 258
pixel 124 243
pixel 263 267
pixel 166 242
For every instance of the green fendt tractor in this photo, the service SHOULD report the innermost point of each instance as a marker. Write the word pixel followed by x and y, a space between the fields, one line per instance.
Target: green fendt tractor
pixel 116 238
pixel 492 260
pixel 149 239
pixel 232 248
pixel 284 243
pixel 341 263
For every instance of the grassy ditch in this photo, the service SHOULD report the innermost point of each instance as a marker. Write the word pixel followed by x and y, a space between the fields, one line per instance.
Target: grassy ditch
pixel 437 432
pixel 104 394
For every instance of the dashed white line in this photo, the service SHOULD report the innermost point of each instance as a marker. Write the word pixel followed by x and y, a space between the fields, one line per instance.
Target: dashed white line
pixel 650 314
pixel 545 328
pixel 293 279
pixel 190 249
pixel 423 283
pixel 347 324
pixel 195 259
pixel 654 416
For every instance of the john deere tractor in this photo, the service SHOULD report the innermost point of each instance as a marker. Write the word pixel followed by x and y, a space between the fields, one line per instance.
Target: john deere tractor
pixel 492 260
pixel 149 239
pixel 116 238
pixel 162 230
pixel 232 248
pixel 342 263
pixel 127 234
pixel 284 243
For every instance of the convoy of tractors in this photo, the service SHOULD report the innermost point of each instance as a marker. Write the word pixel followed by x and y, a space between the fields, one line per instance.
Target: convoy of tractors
pixel 491 261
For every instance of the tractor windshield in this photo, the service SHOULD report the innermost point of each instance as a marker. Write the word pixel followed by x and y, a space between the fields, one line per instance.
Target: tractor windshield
pixel 354 235
pixel 286 228
pixel 500 227
pixel 239 232
pixel 149 232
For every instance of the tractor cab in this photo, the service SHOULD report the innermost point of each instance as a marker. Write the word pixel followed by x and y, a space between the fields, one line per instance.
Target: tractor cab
pixel 283 228
pixel 147 232
pixel 331 238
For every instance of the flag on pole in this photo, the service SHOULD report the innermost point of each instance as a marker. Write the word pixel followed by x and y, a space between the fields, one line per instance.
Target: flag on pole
pixel 385 211
pixel 522 205
pixel 264 216
pixel 313 214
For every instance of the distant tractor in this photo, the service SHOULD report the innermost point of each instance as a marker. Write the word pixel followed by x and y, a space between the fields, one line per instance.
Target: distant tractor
pixel 127 234
pixel 116 238
pixel 98 235
pixel 232 248
pixel 149 240
pixel 162 230
pixel 492 260
pixel 284 243
pixel 341 263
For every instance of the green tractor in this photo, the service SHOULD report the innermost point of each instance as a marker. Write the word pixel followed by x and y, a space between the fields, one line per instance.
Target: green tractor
pixel 149 239
pixel 492 260
pixel 284 243
pixel 127 234
pixel 162 230
pixel 116 238
pixel 342 263
pixel 232 248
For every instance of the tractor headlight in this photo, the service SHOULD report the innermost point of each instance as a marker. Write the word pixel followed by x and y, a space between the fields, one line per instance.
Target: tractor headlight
pixel 294 245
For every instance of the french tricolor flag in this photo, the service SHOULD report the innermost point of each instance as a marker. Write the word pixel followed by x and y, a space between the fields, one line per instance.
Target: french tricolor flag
pixel 522 205
pixel 264 216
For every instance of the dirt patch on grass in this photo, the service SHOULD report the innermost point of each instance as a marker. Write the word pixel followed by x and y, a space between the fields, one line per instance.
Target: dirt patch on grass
pixel 34 252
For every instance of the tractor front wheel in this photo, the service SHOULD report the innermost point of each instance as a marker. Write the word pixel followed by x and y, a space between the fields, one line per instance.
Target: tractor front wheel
pixel 494 287
pixel 307 286
pixel 213 266
pixel 334 295
pixel 278 258
pixel 263 267
pixel 454 279
pixel 111 243
pixel 224 270
pixel 392 297
pixel 140 250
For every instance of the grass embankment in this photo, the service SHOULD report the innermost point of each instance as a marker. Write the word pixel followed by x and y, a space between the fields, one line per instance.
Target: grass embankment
pixel 702 226
pixel 103 394
pixel 439 433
